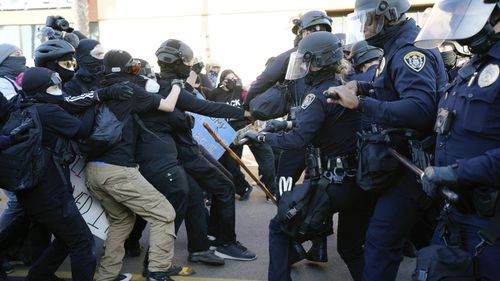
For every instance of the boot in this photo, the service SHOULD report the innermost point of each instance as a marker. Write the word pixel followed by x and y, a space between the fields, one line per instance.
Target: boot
pixel 318 252
pixel 296 253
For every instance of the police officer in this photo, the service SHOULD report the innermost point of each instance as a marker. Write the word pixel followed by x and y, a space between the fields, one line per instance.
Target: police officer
pixel 468 141
pixel 292 162
pixel 365 60
pixel 332 129
pixel 404 95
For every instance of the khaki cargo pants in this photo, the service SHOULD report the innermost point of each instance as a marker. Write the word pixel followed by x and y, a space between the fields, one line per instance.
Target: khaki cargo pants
pixel 123 192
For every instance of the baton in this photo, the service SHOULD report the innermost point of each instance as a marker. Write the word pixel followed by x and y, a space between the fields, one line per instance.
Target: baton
pixel 448 193
pixel 238 159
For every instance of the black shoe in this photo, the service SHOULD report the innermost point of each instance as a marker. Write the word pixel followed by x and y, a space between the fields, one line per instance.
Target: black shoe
pixel 132 248
pixel 123 277
pixel 235 251
pixel 318 252
pixel 410 250
pixel 246 193
pixel 172 271
pixel 158 276
pixel 296 254
pixel 7 267
pixel 208 257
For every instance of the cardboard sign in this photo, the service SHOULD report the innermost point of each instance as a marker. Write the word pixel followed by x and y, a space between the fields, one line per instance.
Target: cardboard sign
pixel 89 207
pixel 220 127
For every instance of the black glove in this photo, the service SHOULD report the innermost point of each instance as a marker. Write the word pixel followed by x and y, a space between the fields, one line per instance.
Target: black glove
pixel 276 126
pixel 255 137
pixel 439 176
pixel 120 91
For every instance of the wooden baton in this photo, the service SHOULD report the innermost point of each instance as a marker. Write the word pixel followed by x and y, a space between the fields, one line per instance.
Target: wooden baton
pixel 238 159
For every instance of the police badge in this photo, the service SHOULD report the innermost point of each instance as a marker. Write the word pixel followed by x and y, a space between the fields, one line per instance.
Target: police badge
pixel 308 100
pixel 488 75
pixel 415 60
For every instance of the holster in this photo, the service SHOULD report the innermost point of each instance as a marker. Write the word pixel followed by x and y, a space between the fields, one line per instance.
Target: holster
pixel 486 201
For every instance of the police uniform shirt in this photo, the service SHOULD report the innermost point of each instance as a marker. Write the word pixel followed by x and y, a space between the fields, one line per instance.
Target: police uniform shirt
pixel 123 153
pixel 327 126
pixel 474 138
pixel 274 72
pixel 407 90
pixel 51 192
pixel 367 76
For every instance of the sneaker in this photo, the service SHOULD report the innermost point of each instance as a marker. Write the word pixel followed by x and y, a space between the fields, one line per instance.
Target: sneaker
pixel 123 277
pixel 246 193
pixel 132 248
pixel 172 271
pixel 7 267
pixel 158 276
pixel 208 257
pixel 235 251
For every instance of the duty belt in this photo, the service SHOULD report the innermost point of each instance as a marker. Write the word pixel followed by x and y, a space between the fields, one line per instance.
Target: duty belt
pixel 339 167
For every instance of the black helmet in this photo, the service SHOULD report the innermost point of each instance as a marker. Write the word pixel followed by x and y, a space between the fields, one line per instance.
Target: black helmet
pixel 172 50
pixel 319 48
pixel 313 18
pixel 469 22
pixel 369 16
pixel 52 50
pixel 362 53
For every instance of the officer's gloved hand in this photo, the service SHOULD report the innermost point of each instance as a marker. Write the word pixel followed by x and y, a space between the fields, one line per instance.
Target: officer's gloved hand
pixel 439 176
pixel 119 91
pixel 255 136
pixel 276 126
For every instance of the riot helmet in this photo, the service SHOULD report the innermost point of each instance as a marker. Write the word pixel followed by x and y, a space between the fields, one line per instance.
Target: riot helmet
pixel 313 18
pixel 362 53
pixel 468 22
pixel 319 49
pixel 367 21
pixel 173 50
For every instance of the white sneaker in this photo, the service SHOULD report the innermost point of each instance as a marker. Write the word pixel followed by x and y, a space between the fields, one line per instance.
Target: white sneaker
pixel 124 277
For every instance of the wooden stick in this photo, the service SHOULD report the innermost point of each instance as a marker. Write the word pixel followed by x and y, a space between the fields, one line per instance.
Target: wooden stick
pixel 240 162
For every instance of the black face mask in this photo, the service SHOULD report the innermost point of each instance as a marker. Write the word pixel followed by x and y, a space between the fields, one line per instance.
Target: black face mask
pixel 182 70
pixel 449 59
pixel 230 84
pixel 64 73
pixel 388 32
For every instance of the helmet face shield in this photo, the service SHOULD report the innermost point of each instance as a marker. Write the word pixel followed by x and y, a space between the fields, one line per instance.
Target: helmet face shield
pixel 453 20
pixel 298 66
pixel 362 25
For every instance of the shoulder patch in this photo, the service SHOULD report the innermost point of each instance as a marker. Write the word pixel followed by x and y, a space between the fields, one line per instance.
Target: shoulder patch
pixel 308 100
pixel 415 60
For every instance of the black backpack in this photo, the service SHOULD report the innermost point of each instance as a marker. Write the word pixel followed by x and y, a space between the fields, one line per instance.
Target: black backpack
pixel 107 132
pixel 273 103
pixel 23 165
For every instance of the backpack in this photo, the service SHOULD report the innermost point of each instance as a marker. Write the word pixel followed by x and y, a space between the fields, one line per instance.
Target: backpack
pixel 106 132
pixel 273 103
pixel 23 165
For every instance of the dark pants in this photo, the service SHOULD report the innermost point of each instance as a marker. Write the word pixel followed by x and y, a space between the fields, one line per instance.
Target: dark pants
pixel 73 237
pixel 354 207
pixel 488 261
pixel 196 219
pixel 398 211
pixel 212 177
pixel 264 156
pixel 173 184
pixel 136 233
pixel 239 181
pixel 291 165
